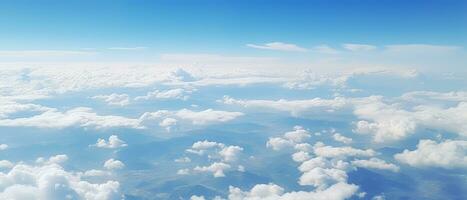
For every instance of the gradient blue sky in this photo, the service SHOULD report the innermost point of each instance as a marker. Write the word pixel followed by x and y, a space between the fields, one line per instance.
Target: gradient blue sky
pixel 226 26
pixel 143 100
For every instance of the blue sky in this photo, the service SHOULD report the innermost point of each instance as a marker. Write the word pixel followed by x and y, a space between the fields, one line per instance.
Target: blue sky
pixel 233 100
pixel 225 26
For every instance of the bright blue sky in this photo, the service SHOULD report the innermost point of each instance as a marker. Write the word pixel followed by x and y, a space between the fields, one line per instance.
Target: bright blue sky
pixel 142 100
pixel 226 26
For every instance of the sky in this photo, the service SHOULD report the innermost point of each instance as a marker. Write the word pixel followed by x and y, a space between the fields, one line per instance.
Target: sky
pixel 233 100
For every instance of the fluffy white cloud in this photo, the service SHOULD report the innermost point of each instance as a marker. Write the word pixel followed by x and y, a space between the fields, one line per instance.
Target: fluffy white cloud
pixel 3 147
pixel 230 153
pixel 278 143
pixel 112 143
pixel 114 99
pixel 447 154
pixel 183 171
pixel 279 46
pixel 339 191
pixel 223 155
pixel 80 116
pixel 207 116
pixel 183 160
pixel 298 135
pixel 289 139
pixel 178 93
pixel 6 164
pixel 51 181
pixel 340 138
pixel 113 164
pixel 300 156
pixel 375 163
pixel 194 197
pixel 321 149
pixel 216 168
pixel 57 159
pixel 295 107
pixel 168 119
pixel 390 122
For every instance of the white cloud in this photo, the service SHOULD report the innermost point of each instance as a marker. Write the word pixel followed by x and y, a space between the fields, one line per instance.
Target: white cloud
pixel 391 122
pixel 183 171
pixel 335 152
pixel 80 116
pixel 114 99
pixel 375 163
pixel 325 49
pixel 279 46
pixel 183 160
pixel 339 191
pixel 300 156
pixel 207 116
pixel 447 154
pixel 194 197
pixel 295 107
pixel 3 147
pixel 278 143
pixel 95 173
pixel 223 156
pixel 113 142
pixel 57 159
pixel 358 47
pixel 340 138
pixel 6 164
pixel 51 181
pixel 178 93
pixel 113 164
pixel 216 168
pixel 289 139
pixel 299 134
pixel 230 153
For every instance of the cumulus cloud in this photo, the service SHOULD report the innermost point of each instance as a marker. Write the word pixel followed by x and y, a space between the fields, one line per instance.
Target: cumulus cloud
pixel 178 93
pixel 114 99
pixel 113 164
pixel 321 149
pixel 375 163
pixel 113 142
pixel 216 168
pixel 289 139
pixel 207 116
pixel 223 155
pixel 391 122
pixel 6 164
pixel 81 116
pixel 295 107
pixel 340 138
pixel 279 46
pixel 51 181
pixel 167 119
pixel 271 191
pixel 448 154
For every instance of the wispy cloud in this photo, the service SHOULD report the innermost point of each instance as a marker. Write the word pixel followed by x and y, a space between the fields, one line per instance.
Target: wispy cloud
pixel 326 49
pixel 278 46
pixel 358 47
